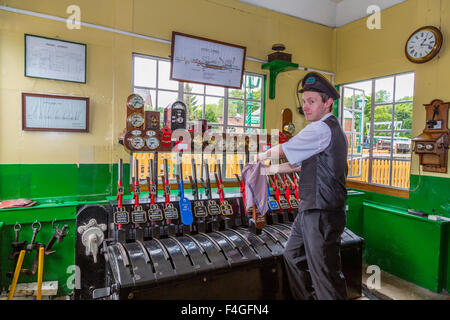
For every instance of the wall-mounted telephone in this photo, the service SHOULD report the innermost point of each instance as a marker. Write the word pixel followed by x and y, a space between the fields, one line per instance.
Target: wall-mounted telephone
pixel 433 143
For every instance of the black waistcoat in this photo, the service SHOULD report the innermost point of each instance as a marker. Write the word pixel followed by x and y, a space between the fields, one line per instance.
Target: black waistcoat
pixel 322 176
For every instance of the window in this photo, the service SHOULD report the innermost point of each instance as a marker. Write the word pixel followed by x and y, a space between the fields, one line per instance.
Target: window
pixel 225 109
pixel 376 116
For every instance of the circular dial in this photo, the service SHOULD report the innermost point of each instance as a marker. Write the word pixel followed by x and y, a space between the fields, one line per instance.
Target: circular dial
pixel 136 132
pixel 136 120
pixel 423 44
pixel 420 146
pixel 137 143
pixel 152 143
pixel 135 101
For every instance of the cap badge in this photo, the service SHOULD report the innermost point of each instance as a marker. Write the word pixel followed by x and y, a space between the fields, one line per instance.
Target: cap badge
pixel 310 80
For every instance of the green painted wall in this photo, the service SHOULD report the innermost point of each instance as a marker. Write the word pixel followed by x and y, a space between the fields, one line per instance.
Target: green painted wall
pixel 410 247
pixel 432 193
pixel 56 264
pixel 64 181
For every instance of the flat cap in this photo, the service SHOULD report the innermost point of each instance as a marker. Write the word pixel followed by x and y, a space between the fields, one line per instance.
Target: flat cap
pixel 314 81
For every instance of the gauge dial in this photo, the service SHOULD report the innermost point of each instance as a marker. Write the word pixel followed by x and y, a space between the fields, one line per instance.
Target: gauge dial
pixel 136 120
pixel 136 132
pixel 152 143
pixel 151 133
pixel 137 143
pixel 135 101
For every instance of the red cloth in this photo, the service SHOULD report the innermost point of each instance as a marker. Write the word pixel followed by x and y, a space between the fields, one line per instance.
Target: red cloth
pixel 17 203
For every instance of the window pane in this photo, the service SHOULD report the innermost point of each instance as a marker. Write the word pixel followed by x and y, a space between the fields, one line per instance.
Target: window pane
pixel 215 91
pixel 214 110
pixel 165 98
pixel 357 143
pixel 164 81
pixel 347 126
pixel 348 98
pixel 383 120
pixel 384 90
pixel 194 106
pixel 193 87
pixel 358 119
pixel 236 93
pixel 360 170
pixel 402 148
pixel 144 72
pixel 253 85
pixel 381 171
pixel 404 87
pixel 149 97
pixel 253 114
pixel 403 116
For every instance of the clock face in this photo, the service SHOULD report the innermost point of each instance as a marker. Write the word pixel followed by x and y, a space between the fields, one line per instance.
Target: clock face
pixel 152 143
pixel 137 143
pixel 423 44
pixel 136 120
pixel 135 101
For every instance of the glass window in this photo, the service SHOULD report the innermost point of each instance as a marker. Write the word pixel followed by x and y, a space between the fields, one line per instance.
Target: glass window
pixel 379 135
pixel 226 109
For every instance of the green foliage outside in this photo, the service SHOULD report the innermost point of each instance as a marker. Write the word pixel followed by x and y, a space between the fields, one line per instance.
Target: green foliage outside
pixel 213 111
pixel 383 113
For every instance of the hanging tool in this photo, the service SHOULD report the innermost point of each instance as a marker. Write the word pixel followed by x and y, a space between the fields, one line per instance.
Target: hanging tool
pixel 185 203
pixel 58 235
pixel 17 246
pixel 120 216
pixel 33 246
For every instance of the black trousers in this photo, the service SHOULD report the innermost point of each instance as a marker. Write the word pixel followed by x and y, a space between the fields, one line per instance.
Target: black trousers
pixel 312 256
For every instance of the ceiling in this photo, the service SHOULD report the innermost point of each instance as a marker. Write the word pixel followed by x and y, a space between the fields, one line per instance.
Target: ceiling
pixel 331 13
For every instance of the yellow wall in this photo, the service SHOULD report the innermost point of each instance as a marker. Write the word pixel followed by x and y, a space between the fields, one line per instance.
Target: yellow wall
pixel 109 62
pixel 364 54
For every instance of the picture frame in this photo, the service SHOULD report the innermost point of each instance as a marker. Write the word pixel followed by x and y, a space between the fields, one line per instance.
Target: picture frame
pixel 55 59
pixel 205 61
pixel 55 113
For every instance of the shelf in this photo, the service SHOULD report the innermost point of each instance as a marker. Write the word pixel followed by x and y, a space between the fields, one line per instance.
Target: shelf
pixel 275 67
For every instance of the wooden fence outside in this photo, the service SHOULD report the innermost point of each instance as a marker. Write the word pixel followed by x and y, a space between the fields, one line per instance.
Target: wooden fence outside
pixel 380 168
pixel 381 172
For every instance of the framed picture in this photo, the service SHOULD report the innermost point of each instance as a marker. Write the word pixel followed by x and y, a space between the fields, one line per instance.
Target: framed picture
pixel 55 59
pixel 44 112
pixel 205 61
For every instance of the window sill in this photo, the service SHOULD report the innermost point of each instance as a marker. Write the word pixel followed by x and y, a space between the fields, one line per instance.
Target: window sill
pixel 383 190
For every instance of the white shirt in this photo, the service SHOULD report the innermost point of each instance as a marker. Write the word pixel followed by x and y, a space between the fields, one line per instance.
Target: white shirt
pixel 313 139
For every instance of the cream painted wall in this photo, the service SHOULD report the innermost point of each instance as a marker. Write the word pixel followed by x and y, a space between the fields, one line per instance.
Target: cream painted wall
pixel 364 54
pixel 109 64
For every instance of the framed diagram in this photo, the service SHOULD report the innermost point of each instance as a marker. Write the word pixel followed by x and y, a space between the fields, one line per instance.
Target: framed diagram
pixel 54 59
pixel 205 61
pixel 43 112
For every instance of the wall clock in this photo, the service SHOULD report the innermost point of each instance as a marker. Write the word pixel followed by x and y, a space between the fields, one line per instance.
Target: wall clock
pixel 424 44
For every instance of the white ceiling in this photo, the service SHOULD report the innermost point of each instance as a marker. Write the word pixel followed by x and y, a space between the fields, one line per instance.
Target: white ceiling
pixel 331 13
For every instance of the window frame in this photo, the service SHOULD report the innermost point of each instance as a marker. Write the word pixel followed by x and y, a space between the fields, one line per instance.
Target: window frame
pixel 370 184
pixel 181 94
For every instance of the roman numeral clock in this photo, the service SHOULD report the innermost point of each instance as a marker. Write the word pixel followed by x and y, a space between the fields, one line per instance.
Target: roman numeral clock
pixel 424 44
